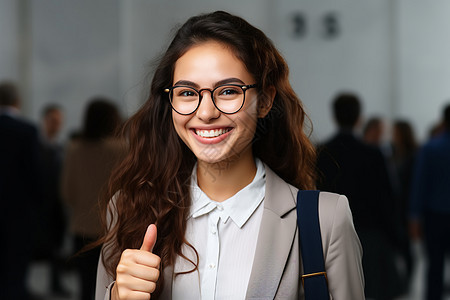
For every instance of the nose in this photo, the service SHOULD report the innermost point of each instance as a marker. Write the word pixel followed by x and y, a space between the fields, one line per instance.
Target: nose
pixel 206 110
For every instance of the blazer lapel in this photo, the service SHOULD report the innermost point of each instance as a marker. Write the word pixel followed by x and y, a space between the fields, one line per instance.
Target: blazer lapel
pixel 276 235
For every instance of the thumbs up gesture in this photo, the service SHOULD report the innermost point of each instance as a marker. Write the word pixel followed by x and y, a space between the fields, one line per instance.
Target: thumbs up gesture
pixel 138 270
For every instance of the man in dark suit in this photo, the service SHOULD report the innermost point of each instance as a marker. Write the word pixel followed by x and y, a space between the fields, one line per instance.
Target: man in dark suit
pixel 19 193
pixel 346 165
pixel 53 229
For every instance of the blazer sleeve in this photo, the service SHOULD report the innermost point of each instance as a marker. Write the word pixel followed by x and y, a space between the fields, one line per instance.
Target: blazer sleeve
pixel 342 248
pixel 104 281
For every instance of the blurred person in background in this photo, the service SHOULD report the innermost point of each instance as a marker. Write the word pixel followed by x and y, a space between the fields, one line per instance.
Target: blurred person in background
pixel 51 235
pixel 20 194
pixel 52 123
pixel 404 147
pixel 347 165
pixel 436 130
pixel 87 167
pixel 430 205
pixel 374 134
pixel 373 131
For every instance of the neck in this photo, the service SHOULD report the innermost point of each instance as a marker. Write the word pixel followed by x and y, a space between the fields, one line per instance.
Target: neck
pixel 219 181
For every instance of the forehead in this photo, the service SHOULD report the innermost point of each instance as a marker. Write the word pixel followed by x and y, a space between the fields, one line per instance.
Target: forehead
pixel 210 60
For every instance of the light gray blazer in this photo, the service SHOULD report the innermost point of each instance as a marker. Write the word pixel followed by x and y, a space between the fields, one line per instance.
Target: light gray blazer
pixel 277 266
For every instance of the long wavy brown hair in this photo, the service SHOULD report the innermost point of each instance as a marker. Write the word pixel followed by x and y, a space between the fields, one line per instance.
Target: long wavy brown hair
pixel 152 184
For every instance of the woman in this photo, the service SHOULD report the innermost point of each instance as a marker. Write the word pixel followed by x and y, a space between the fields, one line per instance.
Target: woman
pixel 217 154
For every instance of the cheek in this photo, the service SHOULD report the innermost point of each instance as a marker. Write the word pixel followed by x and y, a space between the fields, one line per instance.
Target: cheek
pixel 247 122
pixel 251 113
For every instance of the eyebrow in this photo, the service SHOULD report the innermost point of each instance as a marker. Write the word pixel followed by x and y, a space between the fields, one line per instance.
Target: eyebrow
pixel 220 82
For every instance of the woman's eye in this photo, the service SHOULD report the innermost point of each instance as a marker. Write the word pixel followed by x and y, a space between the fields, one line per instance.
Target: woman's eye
pixel 229 91
pixel 187 93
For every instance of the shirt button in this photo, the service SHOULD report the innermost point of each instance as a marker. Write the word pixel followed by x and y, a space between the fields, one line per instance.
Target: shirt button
pixel 212 266
pixel 220 207
pixel 213 231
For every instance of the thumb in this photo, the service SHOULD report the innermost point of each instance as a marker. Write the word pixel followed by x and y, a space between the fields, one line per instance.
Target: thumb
pixel 149 238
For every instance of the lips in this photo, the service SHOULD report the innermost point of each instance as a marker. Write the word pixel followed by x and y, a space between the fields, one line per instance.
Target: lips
pixel 211 133
pixel 211 136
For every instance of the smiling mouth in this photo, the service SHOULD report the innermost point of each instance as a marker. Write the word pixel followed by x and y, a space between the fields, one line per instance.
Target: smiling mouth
pixel 211 133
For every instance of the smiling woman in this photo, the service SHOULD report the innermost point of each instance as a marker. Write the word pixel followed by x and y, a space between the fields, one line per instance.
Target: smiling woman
pixel 217 154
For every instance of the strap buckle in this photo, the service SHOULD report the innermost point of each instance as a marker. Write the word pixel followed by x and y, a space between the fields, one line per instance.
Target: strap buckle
pixel 314 274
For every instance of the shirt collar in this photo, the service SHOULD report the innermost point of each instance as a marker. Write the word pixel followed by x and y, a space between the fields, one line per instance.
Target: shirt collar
pixel 238 207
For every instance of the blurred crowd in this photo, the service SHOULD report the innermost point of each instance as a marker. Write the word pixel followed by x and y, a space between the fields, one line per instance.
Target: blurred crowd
pixel 398 192
pixel 50 191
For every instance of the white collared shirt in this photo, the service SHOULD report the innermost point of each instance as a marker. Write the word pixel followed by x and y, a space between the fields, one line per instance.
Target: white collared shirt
pixel 224 235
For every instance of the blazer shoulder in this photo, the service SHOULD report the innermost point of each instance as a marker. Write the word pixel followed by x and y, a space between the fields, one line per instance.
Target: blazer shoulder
pixel 334 211
pixel 336 223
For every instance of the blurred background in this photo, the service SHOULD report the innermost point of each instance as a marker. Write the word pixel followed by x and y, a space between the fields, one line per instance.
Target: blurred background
pixel 394 54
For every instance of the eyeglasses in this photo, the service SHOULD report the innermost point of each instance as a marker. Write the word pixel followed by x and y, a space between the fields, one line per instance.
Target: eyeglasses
pixel 227 98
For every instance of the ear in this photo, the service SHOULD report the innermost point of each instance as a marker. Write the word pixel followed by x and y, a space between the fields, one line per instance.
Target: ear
pixel 265 102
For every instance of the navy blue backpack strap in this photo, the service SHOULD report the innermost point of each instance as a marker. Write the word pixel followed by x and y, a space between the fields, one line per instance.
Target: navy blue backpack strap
pixel 315 278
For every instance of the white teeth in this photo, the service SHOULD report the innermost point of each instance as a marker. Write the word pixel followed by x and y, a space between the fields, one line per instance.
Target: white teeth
pixel 211 133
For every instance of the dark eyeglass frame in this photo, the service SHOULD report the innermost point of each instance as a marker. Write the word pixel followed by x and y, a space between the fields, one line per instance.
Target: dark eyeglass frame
pixel 244 88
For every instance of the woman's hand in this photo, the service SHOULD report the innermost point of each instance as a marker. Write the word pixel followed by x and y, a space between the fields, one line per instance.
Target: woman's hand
pixel 138 270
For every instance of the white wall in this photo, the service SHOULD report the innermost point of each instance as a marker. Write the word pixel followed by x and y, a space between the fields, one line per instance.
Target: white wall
pixel 9 37
pixel 424 59
pixel 75 55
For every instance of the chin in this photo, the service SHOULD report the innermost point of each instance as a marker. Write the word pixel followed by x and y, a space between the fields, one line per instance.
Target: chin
pixel 219 160
pixel 210 158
